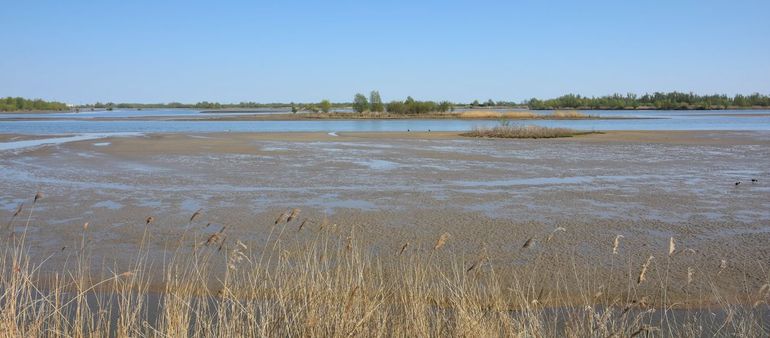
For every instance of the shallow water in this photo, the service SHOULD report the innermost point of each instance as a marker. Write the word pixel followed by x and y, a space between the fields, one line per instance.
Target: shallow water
pixel 647 120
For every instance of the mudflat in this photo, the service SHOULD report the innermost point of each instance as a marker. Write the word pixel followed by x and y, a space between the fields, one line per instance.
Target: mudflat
pixel 491 195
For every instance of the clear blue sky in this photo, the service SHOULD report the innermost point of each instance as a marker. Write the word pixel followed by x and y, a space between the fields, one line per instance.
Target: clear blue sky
pixel 160 51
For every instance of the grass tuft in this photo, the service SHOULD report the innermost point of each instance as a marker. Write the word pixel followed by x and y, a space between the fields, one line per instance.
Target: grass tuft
pixel 516 131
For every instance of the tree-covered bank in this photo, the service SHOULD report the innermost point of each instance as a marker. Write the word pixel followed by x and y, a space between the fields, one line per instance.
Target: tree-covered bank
pixel 22 104
pixel 658 100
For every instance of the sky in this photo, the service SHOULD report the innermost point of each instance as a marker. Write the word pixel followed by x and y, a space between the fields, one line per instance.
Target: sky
pixel 305 51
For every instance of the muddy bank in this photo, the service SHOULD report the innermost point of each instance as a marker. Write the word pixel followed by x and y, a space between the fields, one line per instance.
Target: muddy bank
pixel 398 187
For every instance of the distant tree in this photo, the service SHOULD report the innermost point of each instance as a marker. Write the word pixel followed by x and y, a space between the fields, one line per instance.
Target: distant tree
pixel 360 104
pixel 325 106
pixel 475 103
pixel 375 102
pixel 293 108
pixel 396 107
pixel 489 103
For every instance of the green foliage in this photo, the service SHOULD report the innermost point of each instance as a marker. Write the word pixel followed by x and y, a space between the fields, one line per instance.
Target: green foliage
pixel 412 107
pixel 360 103
pixel 21 104
pixel 325 106
pixel 375 102
pixel 657 100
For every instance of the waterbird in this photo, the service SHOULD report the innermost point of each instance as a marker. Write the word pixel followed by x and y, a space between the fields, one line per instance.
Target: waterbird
pixel 737 183
pixel 754 180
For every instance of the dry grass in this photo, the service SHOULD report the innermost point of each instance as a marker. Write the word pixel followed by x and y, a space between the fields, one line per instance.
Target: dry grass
pixel 569 114
pixel 486 114
pixel 522 115
pixel 328 282
pixel 516 131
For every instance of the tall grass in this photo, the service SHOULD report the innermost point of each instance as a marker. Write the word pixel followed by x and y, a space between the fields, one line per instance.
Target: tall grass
pixel 490 114
pixel 569 114
pixel 310 278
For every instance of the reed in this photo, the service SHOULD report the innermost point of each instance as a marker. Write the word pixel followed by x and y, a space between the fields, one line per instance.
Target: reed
pixel 569 114
pixel 333 284
pixel 526 132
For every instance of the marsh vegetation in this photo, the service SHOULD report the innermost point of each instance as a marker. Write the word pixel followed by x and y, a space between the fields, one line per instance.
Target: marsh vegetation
pixel 310 277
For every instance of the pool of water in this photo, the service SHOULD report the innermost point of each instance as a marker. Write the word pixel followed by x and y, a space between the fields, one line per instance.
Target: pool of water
pixel 648 120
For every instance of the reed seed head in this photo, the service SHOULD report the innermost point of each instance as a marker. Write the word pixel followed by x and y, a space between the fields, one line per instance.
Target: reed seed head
pixel 280 218
pixel 294 213
pixel 550 236
pixel 528 243
pixel 671 246
pixel 615 244
pixel 643 271
pixel 441 241
pixel 403 248
pixel 18 210
pixel 196 214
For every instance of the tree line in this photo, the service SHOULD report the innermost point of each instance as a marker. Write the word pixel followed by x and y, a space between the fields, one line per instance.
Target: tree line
pixel 22 104
pixel 373 103
pixel 409 106
pixel 657 100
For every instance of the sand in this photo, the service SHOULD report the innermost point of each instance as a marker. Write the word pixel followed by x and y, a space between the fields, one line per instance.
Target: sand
pixel 398 187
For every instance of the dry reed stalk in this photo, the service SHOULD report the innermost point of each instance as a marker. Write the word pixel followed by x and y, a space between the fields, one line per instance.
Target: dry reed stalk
pixel 38 196
pixel 671 246
pixel 302 225
pixel 85 226
pixel 352 295
pixel 642 273
pixel 441 241
pixel 690 273
pixel 615 244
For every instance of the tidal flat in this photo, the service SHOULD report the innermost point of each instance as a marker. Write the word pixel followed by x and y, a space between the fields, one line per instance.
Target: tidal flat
pixel 490 195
